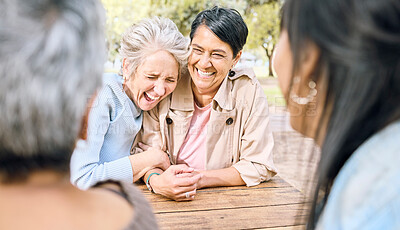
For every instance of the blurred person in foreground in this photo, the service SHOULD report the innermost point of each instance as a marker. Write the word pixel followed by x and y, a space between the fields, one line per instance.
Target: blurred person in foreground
pixel 338 64
pixel 154 52
pixel 51 60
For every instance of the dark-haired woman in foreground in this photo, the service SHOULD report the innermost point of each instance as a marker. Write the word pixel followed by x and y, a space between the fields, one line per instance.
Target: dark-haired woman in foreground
pixel 338 64
pixel 216 122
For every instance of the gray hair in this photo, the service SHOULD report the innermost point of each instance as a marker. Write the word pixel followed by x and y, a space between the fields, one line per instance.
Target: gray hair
pixel 151 35
pixel 51 60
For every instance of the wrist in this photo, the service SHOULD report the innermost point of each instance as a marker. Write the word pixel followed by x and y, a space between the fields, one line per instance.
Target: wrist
pixel 200 183
pixel 149 179
pixel 154 184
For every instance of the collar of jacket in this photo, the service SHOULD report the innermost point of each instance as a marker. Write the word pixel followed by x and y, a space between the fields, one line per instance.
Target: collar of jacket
pixel 182 97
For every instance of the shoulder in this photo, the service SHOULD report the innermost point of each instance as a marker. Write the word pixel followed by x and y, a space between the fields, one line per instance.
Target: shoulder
pixel 144 216
pixel 124 196
pixel 245 79
pixel 111 93
pixel 243 73
pixel 244 84
pixel 112 83
pixel 366 185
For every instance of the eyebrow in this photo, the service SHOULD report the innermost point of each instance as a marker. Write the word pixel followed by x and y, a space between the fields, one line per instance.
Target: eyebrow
pixel 215 50
pixel 152 73
pixel 157 74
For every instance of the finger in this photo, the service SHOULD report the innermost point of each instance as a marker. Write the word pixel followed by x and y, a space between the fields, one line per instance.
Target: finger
pixel 184 175
pixel 187 196
pixel 188 181
pixel 143 146
pixel 181 168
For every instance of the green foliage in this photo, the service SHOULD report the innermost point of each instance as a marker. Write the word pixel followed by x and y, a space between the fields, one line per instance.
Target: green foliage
pixel 262 18
pixel 183 12
pixel 263 21
pixel 120 15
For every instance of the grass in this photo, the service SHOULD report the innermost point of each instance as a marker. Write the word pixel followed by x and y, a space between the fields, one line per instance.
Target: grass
pixel 274 96
pixel 261 71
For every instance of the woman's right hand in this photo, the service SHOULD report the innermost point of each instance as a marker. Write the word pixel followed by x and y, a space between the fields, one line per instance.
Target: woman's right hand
pixel 159 158
pixel 172 186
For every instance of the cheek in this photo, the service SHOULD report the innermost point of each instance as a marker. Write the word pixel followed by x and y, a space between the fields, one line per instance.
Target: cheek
pixel 133 85
pixel 170 88
pixel 191 60
pixel 139 84
pixel 282 65
pixel 223 69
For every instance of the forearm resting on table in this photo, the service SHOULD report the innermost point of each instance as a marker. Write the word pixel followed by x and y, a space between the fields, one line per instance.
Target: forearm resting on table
pixel 140 165
pixel 220 177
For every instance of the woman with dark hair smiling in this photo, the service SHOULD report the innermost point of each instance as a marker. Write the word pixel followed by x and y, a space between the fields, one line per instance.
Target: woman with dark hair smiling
pixel 340 60
pixel 215 126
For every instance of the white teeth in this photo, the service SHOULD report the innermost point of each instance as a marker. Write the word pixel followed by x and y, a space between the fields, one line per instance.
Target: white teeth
pixel 205 73
pixel 151 97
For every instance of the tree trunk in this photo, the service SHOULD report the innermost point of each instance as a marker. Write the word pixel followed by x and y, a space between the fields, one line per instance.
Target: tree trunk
pixel 269 55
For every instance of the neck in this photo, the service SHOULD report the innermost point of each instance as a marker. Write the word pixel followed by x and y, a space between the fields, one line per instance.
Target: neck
pixel 202 98
pixel 42 179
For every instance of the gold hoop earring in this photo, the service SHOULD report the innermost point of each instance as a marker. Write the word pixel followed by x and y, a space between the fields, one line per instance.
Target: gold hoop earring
pixel 311 94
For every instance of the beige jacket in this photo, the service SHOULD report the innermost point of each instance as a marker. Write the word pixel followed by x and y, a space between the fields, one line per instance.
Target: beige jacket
pixel 238 132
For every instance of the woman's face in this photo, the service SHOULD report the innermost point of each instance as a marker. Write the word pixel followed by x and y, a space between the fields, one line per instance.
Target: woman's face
pixel 210 61
pixel 154 79
pixel 303 118
pixel 283 62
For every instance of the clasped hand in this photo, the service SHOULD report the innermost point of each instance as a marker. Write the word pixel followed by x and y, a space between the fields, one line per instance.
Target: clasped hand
pixel 178 182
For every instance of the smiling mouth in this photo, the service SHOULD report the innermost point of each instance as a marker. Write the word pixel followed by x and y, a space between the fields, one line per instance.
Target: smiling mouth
pixel 150 98
pixel 204 74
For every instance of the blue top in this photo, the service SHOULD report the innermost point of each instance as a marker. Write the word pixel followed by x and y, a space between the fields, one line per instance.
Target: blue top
pixel 114 121
pixel 366 192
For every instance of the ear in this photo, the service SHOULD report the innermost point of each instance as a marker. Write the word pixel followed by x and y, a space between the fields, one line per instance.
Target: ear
pixel 125 67
pixel 236 59
pixel 309 61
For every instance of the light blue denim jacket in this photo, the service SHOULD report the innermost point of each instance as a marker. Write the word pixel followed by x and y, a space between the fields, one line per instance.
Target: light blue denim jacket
pixel 366 192
pixel 114 121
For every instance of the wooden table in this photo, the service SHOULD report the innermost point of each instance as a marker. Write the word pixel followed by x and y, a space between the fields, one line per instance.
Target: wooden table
pixel 271 205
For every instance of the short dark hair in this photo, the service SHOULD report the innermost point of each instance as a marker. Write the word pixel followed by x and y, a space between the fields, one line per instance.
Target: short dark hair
pixel 51 62
pixel 227 24
pixel 359 43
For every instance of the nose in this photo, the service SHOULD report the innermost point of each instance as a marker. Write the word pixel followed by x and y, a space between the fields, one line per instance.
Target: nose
pixel 159 88
pixel 205 61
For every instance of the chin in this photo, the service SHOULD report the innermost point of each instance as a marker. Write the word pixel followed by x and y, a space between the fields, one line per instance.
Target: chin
pixel 147 107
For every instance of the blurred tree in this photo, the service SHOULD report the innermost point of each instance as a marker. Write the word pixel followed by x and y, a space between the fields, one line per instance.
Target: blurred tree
pixel 263 20
pixel 120 15
pixel 183 12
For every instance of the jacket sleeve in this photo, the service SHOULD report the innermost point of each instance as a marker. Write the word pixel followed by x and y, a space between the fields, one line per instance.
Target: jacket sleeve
pixel 150 133
pixel 86 170
pixel 256 164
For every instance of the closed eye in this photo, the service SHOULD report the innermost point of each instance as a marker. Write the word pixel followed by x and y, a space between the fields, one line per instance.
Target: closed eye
pixel 218 56
pixel 197 51
pixel 171 80
pixel 151 77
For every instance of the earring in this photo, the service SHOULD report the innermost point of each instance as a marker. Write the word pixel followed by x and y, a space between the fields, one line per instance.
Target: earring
pixel 304 100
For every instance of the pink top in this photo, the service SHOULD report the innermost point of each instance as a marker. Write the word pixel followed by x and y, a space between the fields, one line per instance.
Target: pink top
pixel 193 149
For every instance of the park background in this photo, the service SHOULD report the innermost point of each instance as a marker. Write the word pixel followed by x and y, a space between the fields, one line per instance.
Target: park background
pixel 261 16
